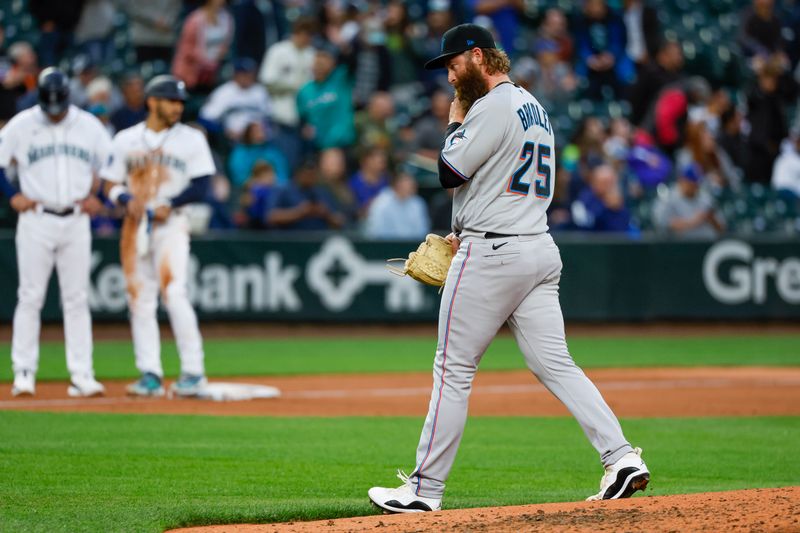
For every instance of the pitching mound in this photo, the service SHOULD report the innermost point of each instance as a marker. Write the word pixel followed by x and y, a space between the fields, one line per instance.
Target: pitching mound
pixel 743 510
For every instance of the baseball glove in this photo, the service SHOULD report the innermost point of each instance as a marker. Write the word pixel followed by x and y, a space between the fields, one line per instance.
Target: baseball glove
pixel 429 264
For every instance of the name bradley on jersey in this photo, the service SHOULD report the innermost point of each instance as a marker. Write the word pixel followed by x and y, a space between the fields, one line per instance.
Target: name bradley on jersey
pixel 531 114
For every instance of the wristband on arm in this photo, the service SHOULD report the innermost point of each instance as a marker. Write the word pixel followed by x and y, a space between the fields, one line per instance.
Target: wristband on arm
pixel 119 195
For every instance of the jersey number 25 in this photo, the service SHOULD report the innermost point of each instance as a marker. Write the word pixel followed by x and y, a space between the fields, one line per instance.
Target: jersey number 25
pixel 541 187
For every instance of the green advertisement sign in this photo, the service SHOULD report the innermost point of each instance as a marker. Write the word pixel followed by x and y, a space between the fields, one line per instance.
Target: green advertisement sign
pixel 336 278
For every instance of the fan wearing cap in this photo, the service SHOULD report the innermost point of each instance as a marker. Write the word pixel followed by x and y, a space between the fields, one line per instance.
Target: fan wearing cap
pixel 56 149
pixel 498 155
pixel 158 167
pixel 688 210
pixel 238 102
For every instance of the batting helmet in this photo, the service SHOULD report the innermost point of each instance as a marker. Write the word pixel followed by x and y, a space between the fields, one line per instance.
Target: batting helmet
pixel 53 91
pixel 166 86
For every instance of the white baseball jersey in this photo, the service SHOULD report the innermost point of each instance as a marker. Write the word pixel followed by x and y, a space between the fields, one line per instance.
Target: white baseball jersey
pixel 55 162
pixel 504 152
pixel 181 150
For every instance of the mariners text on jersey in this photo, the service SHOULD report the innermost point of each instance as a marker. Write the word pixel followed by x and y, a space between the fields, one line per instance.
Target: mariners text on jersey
pixel 35 153
pixel 158 158
pixel 530 114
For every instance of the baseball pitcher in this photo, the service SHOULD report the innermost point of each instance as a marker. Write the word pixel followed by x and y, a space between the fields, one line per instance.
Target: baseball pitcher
pixel 498 154
pixel 58 150
pixel 157 167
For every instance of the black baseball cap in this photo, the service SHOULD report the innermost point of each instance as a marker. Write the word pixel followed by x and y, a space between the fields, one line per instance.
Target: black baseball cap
pixel 460 39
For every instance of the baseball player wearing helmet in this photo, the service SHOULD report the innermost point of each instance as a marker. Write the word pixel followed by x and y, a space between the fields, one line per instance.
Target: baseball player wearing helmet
pixel 498 155
pixel 57 150
pixel 158 167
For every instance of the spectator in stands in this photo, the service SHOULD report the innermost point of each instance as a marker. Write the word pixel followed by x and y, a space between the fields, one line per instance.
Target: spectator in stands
pixel 94 32
pixel 258 194
pixel 303 204
pixel 253 147
pixel 687 210
pixel 554 81
pixel 601 206
pixel 600 42
pixel 398 212
pixel 786 173
pixel 584 152
pixel 368 61
pixel 237 103
pixel 287 66
pixel 617 143
pixel 17 79
pixel 258 25
pixel 152 28
pixel 643 31
pixel 731 139
pixel 370 179
pixel 84 70
pixel 671 110
pixel 98 95
pixel 648 165
pixel 427 40
pixel 766 114
pixel 711 111
pixel 203 45
pixel 133 109
pixel 701 149
pixel 57 20
pixel 760 34
pixel 554 28
pixel 333 177
pixel 325 104
pixel 663 70
pixel 375 126
pixel 405 63
pixel 505 17
pixel 429 129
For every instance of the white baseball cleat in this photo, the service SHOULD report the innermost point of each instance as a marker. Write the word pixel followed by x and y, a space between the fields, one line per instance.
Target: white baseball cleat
pixel 402 499
pixel 24 383
pixel 623 478
pixel 85 386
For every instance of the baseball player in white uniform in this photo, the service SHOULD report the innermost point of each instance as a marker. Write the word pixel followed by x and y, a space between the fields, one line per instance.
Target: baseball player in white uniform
pixel 180 158
pixel 499 154
pixel 57 149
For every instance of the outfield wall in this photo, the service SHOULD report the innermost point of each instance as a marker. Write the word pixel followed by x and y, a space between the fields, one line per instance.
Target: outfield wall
pixel 339 278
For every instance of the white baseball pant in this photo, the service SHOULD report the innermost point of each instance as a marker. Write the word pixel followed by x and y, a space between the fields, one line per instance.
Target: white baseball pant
pixel 44 240
pixel 164 269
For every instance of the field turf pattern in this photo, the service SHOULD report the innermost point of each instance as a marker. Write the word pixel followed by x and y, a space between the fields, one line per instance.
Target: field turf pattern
pixel 101 472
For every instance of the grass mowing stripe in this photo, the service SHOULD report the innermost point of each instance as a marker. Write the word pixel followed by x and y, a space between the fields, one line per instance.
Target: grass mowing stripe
pixel 95 472
pixel 240 357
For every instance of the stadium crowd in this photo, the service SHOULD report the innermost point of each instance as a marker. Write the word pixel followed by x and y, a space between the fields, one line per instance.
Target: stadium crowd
pixel 321 116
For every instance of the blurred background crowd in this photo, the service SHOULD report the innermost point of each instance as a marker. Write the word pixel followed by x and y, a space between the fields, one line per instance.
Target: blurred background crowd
pixel 676 117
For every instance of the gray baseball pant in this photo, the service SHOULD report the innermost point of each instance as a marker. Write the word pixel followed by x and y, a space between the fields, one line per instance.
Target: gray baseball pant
pixel 518 283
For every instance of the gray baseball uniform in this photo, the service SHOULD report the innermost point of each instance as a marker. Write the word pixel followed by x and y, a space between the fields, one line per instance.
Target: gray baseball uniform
pixel 507 269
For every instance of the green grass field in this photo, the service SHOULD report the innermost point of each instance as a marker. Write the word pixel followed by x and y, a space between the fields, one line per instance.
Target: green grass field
pixel 251 357
pixel 99 472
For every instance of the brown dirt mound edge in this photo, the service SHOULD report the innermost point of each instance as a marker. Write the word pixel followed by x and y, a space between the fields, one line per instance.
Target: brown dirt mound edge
pixel 742 510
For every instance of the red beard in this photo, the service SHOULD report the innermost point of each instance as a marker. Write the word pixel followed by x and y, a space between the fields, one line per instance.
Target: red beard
pixel 470 86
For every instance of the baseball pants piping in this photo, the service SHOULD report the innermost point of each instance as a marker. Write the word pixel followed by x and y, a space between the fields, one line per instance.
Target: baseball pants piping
pixel 485 288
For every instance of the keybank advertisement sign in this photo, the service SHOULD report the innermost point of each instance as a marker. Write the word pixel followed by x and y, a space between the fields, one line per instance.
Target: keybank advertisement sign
pixel 322 280
pixel 341 279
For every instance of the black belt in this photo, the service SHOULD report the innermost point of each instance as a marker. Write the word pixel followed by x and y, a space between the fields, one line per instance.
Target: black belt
pixel 59 212
pixel 493 235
